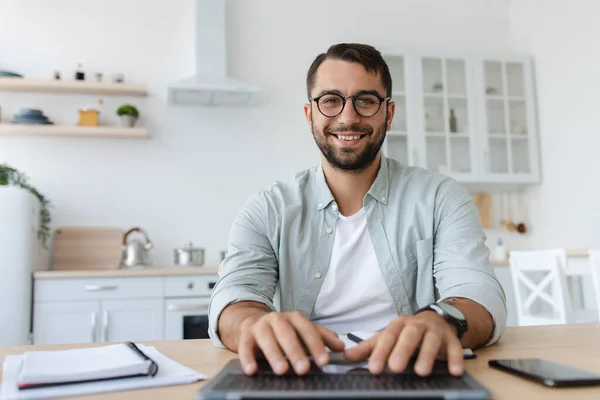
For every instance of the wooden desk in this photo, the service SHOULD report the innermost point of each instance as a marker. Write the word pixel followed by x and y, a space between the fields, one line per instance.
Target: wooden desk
pixel 576 345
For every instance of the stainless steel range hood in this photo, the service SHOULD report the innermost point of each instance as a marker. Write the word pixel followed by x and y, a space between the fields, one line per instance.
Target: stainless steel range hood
pixel 211 86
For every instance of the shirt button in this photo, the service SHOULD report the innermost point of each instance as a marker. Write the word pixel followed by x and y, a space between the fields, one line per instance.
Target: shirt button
pixel 320 205
pixel 334 207
pixel 383 198
pixel 318 275
pixel 328 230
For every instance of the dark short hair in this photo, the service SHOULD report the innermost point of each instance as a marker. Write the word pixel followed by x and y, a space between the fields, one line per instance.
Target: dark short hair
pixel 367 56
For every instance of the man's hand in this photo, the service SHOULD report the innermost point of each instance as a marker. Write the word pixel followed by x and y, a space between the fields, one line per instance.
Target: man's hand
pixel 278 335
pixel 396 344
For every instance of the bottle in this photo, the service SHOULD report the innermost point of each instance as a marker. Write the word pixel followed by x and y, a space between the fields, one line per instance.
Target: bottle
pixel 452 121
pixel 79 74
pixel 500 250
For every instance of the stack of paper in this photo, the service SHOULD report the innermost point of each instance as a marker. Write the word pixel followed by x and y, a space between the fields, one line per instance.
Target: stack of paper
pixel 169 373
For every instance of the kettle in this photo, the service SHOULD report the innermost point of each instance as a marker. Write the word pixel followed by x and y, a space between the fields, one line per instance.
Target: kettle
pixel 135 252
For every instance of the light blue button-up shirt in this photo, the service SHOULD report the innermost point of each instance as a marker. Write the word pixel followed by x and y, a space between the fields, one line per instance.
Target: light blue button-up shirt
pixel 425 230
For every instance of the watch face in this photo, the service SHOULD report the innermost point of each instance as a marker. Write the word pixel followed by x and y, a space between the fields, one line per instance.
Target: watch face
pixel 451 310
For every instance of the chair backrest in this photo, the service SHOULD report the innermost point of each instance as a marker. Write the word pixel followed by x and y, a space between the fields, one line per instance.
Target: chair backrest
pixel 533 272
pixel 595 267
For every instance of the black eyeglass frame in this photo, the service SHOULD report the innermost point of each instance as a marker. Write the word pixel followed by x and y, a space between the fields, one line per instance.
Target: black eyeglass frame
pixel 381 101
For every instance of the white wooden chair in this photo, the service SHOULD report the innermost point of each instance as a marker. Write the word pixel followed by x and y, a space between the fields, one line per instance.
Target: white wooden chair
pixel 533 273
pixel 595 272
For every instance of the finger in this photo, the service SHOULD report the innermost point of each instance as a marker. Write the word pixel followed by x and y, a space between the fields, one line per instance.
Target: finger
pixel 246 349
pixel 331 339
pixel 285 334
pixel 456 361
pixel 430 347
pixel 385 344
pixel 362 350
pixel 266 341
pixel 409 340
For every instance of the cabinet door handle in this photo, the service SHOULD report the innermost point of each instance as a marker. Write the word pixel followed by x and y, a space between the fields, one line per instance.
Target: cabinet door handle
pixel 105 326
pixel 93 321
pixel 187 307
pixel 99 288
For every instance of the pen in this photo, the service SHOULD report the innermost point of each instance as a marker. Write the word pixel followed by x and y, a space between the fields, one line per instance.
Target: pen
pixel 354 338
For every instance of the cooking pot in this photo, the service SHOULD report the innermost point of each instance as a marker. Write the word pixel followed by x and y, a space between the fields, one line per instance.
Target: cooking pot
pixel 189 256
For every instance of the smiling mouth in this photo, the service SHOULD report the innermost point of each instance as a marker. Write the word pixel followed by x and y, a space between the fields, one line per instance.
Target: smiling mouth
pixel 350 137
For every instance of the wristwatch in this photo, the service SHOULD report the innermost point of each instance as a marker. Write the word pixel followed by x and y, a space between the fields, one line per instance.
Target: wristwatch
pixel 450 314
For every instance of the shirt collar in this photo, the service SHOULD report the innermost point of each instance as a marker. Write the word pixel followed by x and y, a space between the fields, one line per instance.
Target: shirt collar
pixel 379 189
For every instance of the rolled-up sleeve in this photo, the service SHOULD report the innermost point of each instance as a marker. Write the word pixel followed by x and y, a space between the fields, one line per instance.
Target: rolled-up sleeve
pixel 461 258
pixel 249 272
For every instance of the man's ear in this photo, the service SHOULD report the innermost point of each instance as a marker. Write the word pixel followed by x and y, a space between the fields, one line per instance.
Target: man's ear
pixel 308 115
pixel 390 115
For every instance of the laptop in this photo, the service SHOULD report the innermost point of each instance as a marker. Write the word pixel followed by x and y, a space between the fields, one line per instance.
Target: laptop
pixel 340 380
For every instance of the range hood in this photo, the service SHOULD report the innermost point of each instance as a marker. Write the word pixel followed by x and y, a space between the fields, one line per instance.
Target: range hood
pixel 211 86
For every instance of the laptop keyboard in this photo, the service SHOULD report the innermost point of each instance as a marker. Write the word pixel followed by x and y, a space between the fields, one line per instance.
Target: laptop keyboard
pixel 366 382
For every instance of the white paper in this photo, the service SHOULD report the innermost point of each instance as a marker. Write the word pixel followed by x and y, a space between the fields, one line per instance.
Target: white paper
pixel 169 373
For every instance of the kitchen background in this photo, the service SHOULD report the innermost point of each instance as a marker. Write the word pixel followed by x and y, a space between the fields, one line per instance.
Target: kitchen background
pixel 200 165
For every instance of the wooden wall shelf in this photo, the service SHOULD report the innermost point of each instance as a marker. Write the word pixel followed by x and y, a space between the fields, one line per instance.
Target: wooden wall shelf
pixel 71 87
pixel 113 132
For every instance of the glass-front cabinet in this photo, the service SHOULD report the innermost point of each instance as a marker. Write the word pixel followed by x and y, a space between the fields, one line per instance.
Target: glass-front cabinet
pixel 397 144
pixel 470 118
pixel 508 124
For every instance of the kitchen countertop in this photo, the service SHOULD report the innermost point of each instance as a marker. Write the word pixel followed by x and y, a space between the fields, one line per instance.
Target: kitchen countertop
pixel 118 273
pixel 570 253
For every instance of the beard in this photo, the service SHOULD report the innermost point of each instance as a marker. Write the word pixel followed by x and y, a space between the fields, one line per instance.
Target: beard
pixel 351 159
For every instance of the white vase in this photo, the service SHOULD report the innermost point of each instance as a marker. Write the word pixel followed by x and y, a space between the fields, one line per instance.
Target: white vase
pixel 128 121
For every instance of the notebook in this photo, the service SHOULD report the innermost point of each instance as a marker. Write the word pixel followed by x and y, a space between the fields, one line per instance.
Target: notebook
pixel 169 372
pixel 47 368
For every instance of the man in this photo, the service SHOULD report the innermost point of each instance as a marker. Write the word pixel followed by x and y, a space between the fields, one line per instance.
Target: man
pixel 358 243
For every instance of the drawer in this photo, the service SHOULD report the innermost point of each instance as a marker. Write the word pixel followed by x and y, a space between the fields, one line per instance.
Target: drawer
pixel 193 285
pixel 98 288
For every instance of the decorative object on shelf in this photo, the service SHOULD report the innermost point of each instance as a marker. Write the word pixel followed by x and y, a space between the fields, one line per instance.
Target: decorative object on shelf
pixel 98 76
pixel 12 177
pixel 500 252
pixel 189 256
pixel 136 252
pixel 491 90
pixel 31 116
pixel 452 121
pixel 57 75
pixel 9 74
pixel 521 227
pixel 79 73
pixel 128 114
pixel 438 87
pixel 118 78
pixel 89 116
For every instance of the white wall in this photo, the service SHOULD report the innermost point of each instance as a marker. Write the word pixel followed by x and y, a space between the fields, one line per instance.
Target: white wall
pixel 190 179
pixel 562 35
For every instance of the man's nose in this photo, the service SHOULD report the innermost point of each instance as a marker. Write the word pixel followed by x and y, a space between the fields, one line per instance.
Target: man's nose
pixel 348 116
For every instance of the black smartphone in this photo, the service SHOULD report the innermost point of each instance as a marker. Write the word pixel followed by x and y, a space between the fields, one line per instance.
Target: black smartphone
pixel 547 372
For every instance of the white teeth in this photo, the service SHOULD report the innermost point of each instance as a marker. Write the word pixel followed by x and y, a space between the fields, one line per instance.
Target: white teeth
pixel 348 137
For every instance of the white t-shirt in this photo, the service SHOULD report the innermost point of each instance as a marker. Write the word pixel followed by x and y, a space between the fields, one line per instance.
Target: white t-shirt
pixel 354 295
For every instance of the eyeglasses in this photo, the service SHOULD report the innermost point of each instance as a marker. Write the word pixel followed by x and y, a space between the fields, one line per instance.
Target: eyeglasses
pixel 365 104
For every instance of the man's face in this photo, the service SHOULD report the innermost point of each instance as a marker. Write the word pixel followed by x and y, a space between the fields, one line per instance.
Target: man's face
pixel 332 134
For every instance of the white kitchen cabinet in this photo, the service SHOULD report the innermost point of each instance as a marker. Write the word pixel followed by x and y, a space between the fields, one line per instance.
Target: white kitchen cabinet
pixel 472 118
pixel 98 310
pixel 66 322
pixel 123 320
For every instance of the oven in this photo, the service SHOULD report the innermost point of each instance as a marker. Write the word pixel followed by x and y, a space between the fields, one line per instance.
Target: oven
pixel 186 306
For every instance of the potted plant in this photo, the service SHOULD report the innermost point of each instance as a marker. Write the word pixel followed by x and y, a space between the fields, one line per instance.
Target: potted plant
pixel 12 177
pixel 129 115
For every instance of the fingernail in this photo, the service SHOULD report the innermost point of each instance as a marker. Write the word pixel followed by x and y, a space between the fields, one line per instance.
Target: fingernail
pixel 301 365
pixel 248 368
pixel 456 369
pixel 375 365
pixel 322 359
pixel 280 366
pixel 397 362
pixel 422 367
